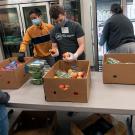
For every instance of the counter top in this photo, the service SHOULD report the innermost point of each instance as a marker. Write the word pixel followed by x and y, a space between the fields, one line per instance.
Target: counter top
pixel 104 98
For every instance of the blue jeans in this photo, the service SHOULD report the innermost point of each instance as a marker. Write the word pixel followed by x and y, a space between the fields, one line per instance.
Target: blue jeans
pixel 4 125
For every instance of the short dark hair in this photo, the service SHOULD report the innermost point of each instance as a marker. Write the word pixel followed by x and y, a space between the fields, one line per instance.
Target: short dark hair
pixel 35 11
pixel 56 10
pixel 116 8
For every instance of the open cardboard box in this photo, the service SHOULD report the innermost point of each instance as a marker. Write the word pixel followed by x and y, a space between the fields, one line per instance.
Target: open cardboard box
pixel 35 123
pixel 78 88
pixel 16 78
pixel 122 73
pixel 86 126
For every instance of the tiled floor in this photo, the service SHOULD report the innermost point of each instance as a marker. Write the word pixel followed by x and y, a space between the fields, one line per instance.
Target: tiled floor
pixel 64 120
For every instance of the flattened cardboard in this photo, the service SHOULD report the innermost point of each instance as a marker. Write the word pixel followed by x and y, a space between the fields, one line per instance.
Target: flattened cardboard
pixel 74 130
pixel 119 73
pixel 79 88
pixel 16 78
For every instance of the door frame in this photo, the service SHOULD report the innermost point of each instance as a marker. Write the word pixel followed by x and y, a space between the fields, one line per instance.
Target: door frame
pixel 95 40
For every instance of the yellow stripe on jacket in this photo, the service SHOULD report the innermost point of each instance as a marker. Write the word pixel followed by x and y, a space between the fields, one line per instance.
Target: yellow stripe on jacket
pixel 39 35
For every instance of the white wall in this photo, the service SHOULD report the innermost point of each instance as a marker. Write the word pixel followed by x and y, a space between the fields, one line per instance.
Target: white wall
pixel 87 26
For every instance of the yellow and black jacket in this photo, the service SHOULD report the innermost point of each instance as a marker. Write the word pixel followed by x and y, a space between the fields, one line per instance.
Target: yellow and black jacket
pixel 40 37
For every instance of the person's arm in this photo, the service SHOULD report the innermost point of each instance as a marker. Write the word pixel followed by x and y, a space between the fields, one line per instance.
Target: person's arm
pixel 79 51
pixel 25 42
pixel 104 35
pixel 81 43
pixel 54 44
pixel 56 51
pixel 80 39
pixel 4 97
pixel 79 33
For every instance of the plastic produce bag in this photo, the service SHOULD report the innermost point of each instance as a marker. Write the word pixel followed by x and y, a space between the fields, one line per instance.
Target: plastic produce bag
pixel 112 61
pixel 37 81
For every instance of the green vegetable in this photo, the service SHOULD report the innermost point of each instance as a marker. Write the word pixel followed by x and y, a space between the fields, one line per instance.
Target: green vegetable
pixel 37 81
pixel 36 75
pixel 112 61
pixel 36 66
pixel 61 74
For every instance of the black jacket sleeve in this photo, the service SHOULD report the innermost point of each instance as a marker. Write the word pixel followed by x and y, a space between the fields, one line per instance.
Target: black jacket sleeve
pixel 4 97
pixel 105 34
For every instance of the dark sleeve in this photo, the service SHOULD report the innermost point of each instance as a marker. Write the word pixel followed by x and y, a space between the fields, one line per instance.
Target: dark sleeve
pixel 4 97
pixel 104 35
pixel 52 36
pixel 79 30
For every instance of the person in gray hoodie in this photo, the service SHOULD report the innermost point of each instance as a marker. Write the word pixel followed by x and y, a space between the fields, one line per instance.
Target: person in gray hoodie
pixel 4 126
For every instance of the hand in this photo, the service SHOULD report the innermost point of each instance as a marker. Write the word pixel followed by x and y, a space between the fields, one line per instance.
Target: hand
pixel 21 56
pixel 54 52
pixel 68 56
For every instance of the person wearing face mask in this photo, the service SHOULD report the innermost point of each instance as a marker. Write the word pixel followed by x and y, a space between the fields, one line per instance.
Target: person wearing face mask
pixel 67 36
pixel 39 35
pixel 118 32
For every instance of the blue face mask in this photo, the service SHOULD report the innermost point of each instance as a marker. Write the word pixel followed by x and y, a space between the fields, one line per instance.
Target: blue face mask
pixel 36 21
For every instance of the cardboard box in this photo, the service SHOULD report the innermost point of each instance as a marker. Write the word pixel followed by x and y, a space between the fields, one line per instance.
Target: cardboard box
pixel 34 123
pixel 16 78
pixel 119 73
pixel 78 88
pixel 118 127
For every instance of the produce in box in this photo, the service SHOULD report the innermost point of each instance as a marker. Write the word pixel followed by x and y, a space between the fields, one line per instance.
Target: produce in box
pixel 11 66
pixel 70 74
pixel 36 69
pixel 112 61
pixel 66 55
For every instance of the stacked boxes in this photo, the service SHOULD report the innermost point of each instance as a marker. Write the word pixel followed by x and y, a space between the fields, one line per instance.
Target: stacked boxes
pixel 36 69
